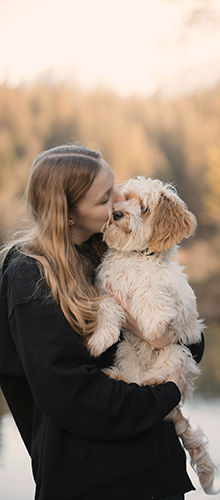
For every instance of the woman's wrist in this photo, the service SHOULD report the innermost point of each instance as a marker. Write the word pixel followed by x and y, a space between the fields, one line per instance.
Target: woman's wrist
pixel 162 341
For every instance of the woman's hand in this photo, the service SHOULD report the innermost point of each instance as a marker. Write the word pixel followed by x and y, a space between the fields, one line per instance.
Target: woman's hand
pixel 178 379
pixel 131 325
pixel 130 322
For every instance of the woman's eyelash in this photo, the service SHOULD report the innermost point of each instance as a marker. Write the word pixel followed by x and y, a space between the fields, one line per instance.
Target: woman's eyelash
pixel 105 201
pixel 109 193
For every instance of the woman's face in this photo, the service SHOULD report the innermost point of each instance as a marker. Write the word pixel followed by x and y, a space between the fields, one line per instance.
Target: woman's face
pixel 93 210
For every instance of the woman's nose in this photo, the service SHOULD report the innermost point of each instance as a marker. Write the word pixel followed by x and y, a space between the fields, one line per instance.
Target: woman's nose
pixel 118 196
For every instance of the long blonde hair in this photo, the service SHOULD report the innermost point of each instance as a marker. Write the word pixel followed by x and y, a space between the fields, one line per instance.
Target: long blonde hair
pixel 58 180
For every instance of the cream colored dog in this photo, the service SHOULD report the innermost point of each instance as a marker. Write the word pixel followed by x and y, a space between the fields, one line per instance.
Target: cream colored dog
pixel 141 234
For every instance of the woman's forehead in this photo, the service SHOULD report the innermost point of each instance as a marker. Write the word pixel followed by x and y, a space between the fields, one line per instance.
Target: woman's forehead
pixel 102 182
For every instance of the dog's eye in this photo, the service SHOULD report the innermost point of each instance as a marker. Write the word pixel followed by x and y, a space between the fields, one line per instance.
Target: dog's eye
pixel 144 209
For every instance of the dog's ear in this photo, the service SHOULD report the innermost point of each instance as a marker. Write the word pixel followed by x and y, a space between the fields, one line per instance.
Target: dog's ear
pixel 172 222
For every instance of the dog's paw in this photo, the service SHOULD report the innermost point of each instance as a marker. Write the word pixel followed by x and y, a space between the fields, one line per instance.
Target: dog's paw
pixel 95 344
pixel 101 340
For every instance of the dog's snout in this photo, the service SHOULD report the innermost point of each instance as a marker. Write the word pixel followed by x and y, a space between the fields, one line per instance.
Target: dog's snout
pixel 117 214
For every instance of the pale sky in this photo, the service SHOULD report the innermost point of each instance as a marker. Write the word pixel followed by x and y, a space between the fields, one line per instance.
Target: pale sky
pixel 139 46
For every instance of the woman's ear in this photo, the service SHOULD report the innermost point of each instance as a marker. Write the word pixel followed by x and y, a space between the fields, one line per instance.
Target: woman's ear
pixel 172 223
pixel 72 220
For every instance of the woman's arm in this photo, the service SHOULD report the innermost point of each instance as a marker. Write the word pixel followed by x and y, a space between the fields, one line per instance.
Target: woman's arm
pixel 67 386
pixel 39 347
pixel 197 350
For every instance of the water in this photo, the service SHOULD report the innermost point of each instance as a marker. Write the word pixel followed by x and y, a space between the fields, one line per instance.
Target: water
pixel 16 481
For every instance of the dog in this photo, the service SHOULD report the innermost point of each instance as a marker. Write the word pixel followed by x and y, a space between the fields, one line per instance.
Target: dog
pixel 141 266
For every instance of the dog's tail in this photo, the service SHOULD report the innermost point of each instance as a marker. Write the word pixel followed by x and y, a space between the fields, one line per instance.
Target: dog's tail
pixel 196 444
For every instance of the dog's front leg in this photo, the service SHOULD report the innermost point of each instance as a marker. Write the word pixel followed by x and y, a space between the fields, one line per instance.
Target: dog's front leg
pixel 110 317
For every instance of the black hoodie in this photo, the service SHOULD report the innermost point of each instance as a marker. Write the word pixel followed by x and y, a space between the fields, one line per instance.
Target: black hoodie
pixel 89 437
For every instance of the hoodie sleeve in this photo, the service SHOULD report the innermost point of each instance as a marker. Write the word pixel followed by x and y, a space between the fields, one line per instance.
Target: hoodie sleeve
pixel 197 350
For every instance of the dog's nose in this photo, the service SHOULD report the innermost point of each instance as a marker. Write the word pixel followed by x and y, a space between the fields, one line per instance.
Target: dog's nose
pixel 117 214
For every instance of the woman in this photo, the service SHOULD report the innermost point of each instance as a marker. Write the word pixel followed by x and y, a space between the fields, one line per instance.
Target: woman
pixel 89 437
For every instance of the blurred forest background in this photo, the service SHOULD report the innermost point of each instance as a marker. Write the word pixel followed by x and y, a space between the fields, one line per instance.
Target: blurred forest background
pixel 175 139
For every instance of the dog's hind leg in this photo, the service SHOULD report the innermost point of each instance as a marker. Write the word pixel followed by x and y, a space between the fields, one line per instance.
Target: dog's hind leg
pixel 195 443
pixel 115 373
